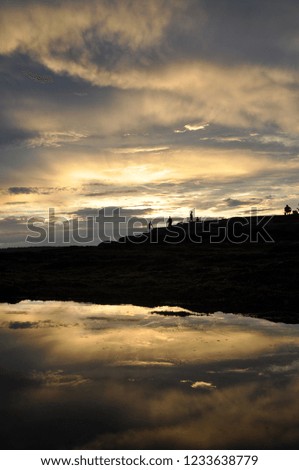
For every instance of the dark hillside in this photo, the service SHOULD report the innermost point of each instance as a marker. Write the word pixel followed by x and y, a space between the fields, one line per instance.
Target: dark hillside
pixel 258 278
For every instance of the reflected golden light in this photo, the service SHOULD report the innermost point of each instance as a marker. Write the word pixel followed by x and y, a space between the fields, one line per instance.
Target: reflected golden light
pixel 132 336
pixel 162 380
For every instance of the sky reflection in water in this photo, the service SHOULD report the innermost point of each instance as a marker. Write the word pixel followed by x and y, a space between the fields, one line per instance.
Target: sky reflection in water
pixel 103 377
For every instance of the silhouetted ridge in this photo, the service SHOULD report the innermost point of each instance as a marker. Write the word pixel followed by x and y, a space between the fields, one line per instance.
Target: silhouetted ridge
pixel 237 230
pixel 256 278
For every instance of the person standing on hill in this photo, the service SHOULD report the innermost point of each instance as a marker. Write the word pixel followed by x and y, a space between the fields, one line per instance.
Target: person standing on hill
pixel 169 222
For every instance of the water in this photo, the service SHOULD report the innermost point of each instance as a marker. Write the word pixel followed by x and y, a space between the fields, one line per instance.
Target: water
pixel 126 377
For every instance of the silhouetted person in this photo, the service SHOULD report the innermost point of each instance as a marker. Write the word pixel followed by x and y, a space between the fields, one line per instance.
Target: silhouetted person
pixel 169 222
pixel 287 210
pixel 191 216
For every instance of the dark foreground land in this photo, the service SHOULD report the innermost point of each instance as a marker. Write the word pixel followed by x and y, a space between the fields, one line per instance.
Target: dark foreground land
pixel 259 277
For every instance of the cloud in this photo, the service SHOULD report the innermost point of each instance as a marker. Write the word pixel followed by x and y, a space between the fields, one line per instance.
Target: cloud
pixel 111 212
pixel 129 25
pixel 137 95
pixel 116 46
pixel 291 367
pixel 185 416
pixel 16 325
pixel 58 378
pixel 13 230
pixel 228 139
pixel 141 150
pixel 15 190
pixel 23 325
pixel 240 96
pixel 15 203
pixel 195 127
pixel 22 190
pixel 191 127
pixel 55 139
pixel 203 385
pixel 119 191
pixel 230 202
pixel 136 363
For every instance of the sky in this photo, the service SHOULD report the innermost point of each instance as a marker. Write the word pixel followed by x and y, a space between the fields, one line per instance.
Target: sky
pixel 155 107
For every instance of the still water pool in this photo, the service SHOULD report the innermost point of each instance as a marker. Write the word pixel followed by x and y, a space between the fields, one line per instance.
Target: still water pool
pixel 84 376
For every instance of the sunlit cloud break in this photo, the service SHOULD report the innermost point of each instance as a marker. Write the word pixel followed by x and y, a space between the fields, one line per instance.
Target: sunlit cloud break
pixel 161 105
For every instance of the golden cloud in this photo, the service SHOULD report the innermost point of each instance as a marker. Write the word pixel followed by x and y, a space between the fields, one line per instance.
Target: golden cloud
pixel 247 95
pixel 36 28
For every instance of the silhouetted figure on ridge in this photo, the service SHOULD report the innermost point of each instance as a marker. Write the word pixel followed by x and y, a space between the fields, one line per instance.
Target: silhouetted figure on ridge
pixel 169 222
pixel 191 216
pixel 287 210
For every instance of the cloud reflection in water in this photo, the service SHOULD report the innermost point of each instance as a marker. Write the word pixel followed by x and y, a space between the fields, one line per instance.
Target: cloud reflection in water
pixel 97 376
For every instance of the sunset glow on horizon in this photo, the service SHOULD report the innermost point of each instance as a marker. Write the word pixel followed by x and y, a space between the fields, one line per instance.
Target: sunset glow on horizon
pixel 155 106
